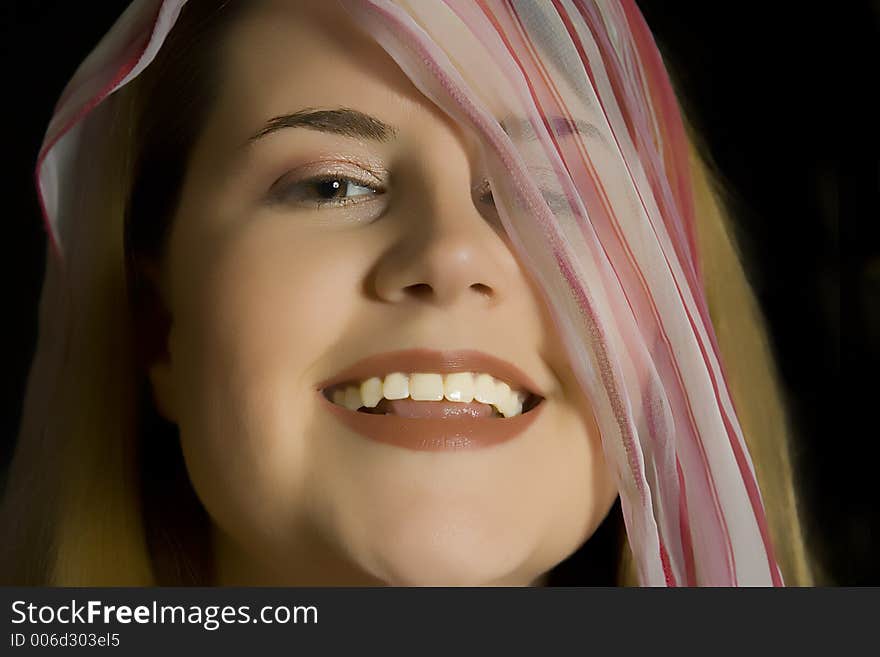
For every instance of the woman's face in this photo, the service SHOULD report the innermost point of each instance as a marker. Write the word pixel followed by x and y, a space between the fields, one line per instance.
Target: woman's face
pixel 271 294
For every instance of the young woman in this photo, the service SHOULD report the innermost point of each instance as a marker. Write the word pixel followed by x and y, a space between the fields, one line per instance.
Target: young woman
pixel 413 293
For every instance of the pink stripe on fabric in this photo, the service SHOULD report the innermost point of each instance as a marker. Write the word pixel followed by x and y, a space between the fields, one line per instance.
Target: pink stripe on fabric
pixel 748 480
pixel 137 45
pixel 667 103
pixel 685 524
pixel 80 115
pixel 667 569
pixel 695 434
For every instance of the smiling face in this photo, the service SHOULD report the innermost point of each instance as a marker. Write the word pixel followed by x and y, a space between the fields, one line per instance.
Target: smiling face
pixel 271 293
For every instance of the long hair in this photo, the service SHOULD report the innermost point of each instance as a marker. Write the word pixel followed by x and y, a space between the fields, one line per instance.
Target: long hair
pixel 98 492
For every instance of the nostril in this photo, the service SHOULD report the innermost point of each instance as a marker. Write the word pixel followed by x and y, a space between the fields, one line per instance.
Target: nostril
pixel 482 289
pixel 419 290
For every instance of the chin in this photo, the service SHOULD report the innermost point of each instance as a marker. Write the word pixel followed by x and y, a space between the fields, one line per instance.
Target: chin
pixel 449 555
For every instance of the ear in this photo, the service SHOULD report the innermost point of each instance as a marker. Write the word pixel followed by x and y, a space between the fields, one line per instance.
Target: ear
pixel 153 329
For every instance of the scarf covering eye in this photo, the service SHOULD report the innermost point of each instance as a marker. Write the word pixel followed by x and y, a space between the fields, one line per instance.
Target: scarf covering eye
pixel 585 147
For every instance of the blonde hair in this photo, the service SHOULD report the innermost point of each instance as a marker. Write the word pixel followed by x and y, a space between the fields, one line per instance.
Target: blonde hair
pixel 73 513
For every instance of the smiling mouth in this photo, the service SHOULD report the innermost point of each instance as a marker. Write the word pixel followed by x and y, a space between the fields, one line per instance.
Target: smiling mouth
pixel 457 386
pixel 416 409
pixel 493 414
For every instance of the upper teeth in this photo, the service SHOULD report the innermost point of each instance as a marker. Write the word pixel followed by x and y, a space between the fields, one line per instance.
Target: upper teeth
pixel 462 387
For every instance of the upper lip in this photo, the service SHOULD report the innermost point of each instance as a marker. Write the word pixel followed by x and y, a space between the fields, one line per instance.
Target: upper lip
pixel 437 361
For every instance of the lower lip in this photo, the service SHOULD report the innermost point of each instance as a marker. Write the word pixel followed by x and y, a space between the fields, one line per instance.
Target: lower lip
pixel 433 435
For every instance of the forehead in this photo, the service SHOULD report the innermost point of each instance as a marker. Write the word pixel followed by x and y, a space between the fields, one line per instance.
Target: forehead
pixel 282 55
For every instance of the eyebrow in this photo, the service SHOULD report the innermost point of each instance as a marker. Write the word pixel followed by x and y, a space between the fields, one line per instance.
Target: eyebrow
pixel 343 121
pixel 352 123
pixel 562 126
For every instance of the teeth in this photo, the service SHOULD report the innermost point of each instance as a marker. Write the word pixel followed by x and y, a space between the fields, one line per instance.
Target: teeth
pixel 371 392
pixel 459 387
pixel 426 387
pixel 484 389
pixel 352 400
pixel 463 387
pixel 396 386
pixel 514 404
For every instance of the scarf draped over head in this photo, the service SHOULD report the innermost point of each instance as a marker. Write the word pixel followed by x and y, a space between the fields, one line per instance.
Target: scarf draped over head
pixel 587 157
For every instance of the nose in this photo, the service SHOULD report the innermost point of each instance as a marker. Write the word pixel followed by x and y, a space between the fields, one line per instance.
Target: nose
pixel 441 270
pixel 450 249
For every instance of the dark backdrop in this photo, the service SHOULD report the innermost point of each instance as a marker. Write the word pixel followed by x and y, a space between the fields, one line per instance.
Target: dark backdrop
pixel 755 84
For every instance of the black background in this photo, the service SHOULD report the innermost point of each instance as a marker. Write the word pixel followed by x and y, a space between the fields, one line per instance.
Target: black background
pixel 756 80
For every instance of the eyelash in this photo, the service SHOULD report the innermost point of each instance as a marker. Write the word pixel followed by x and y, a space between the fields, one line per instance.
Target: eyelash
pixel 321 179
pixel 310 183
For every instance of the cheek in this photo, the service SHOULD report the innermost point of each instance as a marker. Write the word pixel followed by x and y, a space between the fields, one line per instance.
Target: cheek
pixel 571 482
pixel 580 489
pixel 253 320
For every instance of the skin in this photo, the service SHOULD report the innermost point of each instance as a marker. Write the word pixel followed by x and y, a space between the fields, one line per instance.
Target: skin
pixel 266 300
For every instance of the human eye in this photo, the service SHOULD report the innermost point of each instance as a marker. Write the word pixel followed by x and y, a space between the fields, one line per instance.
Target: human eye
pixel 334 190
pixel 558 203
